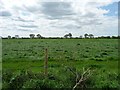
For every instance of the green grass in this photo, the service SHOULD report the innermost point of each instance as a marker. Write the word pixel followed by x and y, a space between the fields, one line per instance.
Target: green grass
pixel 28 54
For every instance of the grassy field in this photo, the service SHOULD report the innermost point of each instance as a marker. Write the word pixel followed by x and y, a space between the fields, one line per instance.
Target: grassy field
pixel 24 59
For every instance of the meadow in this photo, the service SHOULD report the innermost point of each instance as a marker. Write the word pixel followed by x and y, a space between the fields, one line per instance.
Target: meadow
pixel 23 63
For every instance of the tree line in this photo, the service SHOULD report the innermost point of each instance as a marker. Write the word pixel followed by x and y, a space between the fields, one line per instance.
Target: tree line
pixel 69 35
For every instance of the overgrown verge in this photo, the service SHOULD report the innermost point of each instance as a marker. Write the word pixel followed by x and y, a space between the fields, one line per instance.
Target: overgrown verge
pixel 67 77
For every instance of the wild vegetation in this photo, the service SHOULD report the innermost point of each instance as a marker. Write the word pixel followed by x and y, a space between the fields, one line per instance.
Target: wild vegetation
pixel 79 63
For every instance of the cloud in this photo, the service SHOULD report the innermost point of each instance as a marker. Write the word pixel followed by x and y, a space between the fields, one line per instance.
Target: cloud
pixel 21 19
pixel 28 26
pixel 5 13
pixel 33 8
pixel 57 17
pixel 56 10
pixel 74 27
pixel 26 30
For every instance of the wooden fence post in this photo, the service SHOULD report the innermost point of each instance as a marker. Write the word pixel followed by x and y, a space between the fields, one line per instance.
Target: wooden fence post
pixel 46 62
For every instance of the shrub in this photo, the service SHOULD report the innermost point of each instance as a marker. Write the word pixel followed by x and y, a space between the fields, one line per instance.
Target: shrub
pixel 99 59
pixel 78 44
pixel 103 80
pixel 104 53
pixel 95 66
pixel 7 75
pixel 18 81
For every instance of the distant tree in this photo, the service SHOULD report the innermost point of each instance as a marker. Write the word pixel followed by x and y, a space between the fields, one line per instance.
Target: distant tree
pixel 9 37
pixel 68 35
pixel 80 36
pixel 39 36
pixel 108 37
pixel 102 37
pixel 86 35
pixel 114 37
pixel 91 35
pixel 13 37
pixel 16 36
pixel 32 35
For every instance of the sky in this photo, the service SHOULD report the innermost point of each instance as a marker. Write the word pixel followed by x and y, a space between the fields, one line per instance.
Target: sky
pixel 55 18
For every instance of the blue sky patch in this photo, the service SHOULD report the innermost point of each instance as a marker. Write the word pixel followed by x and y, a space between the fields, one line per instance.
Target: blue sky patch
pixel 113 9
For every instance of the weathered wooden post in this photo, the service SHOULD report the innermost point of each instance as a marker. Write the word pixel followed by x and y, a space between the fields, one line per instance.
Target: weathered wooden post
pixel 46 62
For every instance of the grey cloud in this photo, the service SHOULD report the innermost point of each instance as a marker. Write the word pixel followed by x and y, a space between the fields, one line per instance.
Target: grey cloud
pixel 93 21
pixel 69 26
pixel 89 15
pixel 93 4
pixel 5 13
pixel 28 26
pixel 25 30
pixel 56 10
pixel 21 19
pixel 19 8
pixel 32 8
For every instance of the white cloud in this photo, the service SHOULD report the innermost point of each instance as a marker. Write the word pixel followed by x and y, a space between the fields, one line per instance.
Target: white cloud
pixel 56 18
